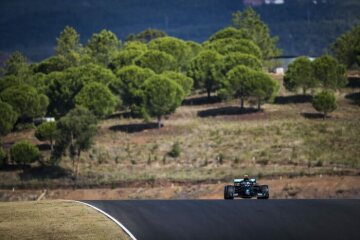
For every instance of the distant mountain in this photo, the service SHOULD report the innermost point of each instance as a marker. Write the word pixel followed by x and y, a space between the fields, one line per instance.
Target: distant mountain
pixel 304 26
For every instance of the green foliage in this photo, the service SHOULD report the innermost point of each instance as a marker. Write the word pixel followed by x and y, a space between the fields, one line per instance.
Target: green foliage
pixel 24 152
pixel 146 36
pixel 52 64
pixel 25 101
pixel 173 46
pixel 325 102
pixel 244 82
pixel 124 58
pixel 3 157
pixel 185 82
pixel 300 74
pixel 230 45
pixel 46 132
pixel 347 48
pixel 249 22
pixel 162 96
pixel 129 86
pixel 102 46
pixel 195 48
pixel 157 61
pixel 8 118
pixel 67 51
pixel 329 73
pixel 203 70
pixel 135 45
pixel 175 150
pixel 75 134
pixel 229 32
pixel 63 86
pixel 97 98
pixel 16 65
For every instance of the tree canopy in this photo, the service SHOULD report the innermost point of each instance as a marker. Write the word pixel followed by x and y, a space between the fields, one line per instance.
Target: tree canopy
pixel 203 70
pixel 102 46
pixel 185 82
pixel 254 28
pixel 300 75
pixel 346 48
pixel 157 61
pixel 8 118
pixel 329 73
pixel 162 96
pixel 97 98
pixel 147 35
pixel 324 102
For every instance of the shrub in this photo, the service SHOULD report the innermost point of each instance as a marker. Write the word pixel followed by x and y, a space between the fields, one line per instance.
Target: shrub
pixel 46 131
pixel 324 102
pixel 175 150
pixel 2 157
pixel 24 152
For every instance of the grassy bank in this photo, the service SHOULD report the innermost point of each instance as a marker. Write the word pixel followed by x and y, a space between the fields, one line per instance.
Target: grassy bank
pixel 55 220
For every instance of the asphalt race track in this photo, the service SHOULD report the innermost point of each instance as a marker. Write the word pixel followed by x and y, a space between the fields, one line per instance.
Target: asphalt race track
pixel 238 219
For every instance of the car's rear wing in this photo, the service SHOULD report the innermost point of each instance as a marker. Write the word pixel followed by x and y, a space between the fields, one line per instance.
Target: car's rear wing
pixel 238 180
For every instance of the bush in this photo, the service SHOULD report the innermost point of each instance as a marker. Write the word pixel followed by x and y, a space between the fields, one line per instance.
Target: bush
pixel 2 157
pixel 175 150
pixel 324 102
pixel 46 131
pixel 24 152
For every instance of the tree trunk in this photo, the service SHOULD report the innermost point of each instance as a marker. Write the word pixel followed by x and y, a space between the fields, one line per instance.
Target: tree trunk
pixel 208 93
pixel 324 115
pixel 51 145
pixel 242 103
pixel 259 104
pixel 77 168
pixel 304 91
pixel 159 122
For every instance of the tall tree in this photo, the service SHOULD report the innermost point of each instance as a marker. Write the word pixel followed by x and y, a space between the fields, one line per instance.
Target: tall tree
pixel 162 96
pixel 250 22
pixel 17 65
pixel 104 102
pixel 347 48
pixel 300 75
pixel 129 86
pixel 102 46
pixel 203 70
pixel 68 51
pixel 76 131
pixel 329 73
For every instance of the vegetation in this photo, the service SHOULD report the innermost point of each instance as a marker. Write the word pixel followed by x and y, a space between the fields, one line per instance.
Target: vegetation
pixel 24 152
pixel 76 131
pixel 300 75
pixel 325 102
pixel 46 132
pixel 8 118
pixel 346 48
pixel 55 220
pixel 162 96
pixel 3 157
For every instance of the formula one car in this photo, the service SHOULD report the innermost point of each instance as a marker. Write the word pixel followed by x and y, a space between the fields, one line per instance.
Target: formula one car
pixel 246 188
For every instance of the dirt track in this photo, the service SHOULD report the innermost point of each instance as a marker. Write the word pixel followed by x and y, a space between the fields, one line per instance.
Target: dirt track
pixel 305 187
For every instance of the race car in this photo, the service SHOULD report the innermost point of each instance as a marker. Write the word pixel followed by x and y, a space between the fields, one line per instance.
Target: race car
pixel 246 188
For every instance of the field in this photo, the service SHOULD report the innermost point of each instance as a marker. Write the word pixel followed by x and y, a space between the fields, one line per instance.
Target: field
pixel 55 220
pixel 217 141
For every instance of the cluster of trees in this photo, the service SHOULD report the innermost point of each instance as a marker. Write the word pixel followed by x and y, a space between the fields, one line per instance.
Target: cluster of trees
pixel 324 72
pixel 150 75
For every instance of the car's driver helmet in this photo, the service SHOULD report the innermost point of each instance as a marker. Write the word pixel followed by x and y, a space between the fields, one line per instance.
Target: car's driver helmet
pixel 246 177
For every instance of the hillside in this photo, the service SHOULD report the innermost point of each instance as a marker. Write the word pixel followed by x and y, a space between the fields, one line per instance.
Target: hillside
pixel 217 142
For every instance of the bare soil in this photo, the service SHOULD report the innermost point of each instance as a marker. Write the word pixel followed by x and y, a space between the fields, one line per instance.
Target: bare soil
pixel 281 188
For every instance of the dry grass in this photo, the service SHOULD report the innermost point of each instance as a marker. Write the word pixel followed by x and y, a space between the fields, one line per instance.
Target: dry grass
pixel 55 220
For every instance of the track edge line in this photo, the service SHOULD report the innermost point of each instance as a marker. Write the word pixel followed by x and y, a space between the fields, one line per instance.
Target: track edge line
pixel 111 217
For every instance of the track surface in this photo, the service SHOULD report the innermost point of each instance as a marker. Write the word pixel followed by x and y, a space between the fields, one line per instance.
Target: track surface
pixel 244 219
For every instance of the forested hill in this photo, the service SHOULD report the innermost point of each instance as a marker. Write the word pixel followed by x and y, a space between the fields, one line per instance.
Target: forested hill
pixel 303 26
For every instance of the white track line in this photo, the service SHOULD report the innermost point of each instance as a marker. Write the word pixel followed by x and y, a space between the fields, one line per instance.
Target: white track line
pixel 112 218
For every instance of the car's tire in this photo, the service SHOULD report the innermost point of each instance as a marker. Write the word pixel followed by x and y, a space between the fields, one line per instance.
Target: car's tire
pixel 264 189
pixel 229 192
